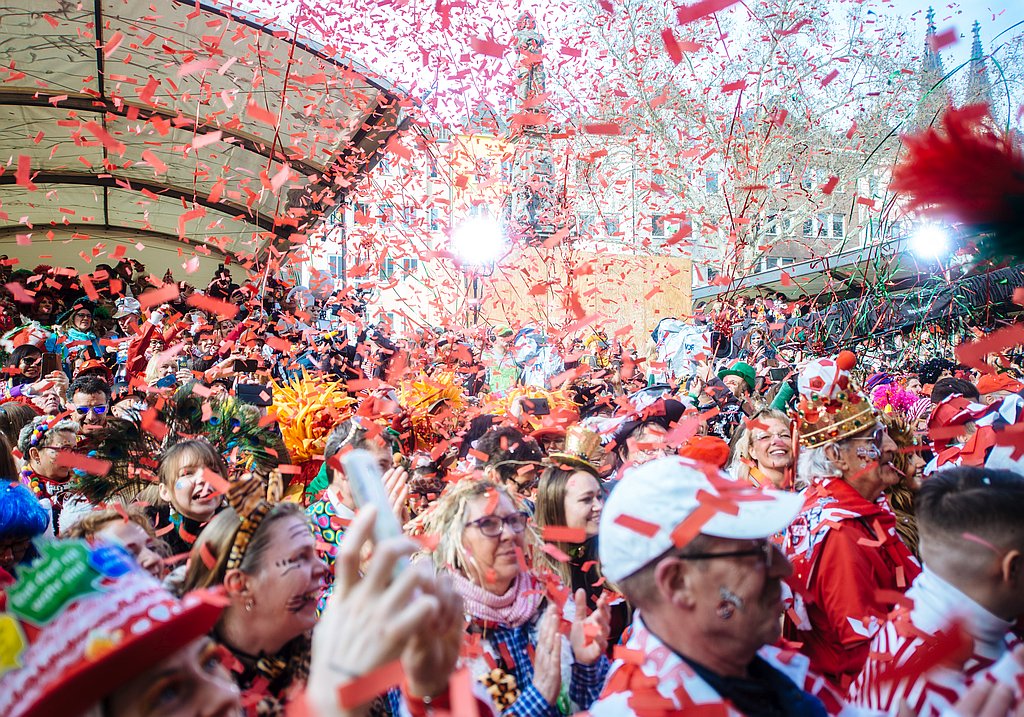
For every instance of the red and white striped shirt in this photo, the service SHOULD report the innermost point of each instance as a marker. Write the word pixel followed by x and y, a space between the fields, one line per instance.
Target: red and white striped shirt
pixel 928 654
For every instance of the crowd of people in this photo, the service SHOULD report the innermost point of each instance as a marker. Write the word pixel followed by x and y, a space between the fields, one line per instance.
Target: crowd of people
pixel 574 526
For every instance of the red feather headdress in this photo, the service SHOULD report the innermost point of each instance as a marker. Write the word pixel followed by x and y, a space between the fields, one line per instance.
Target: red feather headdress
pixel 968 173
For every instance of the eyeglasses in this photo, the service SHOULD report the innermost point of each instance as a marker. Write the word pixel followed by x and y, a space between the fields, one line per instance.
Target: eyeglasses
pixel 69 447
pixel 764 549
pixel 32 360
pixel 492 526
pixel 877 437
pixel 84 410
pixel 761 437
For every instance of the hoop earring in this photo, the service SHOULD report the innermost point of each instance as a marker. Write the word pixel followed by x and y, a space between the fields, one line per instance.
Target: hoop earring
pixel 249 604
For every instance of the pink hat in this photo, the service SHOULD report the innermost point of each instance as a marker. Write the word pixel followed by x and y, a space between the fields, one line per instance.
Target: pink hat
pixel 83 620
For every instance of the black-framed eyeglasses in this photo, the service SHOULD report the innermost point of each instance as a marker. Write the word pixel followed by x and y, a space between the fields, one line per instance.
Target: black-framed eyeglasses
pixel 764 550
pixel 492 526
pixel 84 410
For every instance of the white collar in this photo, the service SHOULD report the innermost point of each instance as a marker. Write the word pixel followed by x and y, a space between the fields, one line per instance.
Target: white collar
pixel 937 603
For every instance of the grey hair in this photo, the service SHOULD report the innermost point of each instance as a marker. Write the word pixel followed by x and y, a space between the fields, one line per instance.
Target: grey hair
pixel 64 425
pixel 814 465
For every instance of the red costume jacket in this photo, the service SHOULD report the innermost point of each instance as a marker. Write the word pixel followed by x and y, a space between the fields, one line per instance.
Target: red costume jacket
pixel 848 565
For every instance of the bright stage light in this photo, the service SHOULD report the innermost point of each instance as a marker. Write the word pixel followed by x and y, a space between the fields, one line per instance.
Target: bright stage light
pixel 930 241
pixel 478 241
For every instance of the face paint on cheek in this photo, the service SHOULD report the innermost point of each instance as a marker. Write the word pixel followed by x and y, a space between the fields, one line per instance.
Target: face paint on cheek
pixel 728 596
pixel 868 453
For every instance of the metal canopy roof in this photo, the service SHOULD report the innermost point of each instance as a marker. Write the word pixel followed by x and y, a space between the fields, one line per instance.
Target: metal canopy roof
pixel 839 274
pixel 186 125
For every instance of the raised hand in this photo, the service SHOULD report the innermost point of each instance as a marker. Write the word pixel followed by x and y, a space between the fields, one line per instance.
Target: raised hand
pixel 547 657
pixel 589 634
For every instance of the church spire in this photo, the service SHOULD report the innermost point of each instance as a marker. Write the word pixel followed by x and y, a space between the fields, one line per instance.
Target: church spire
pixel 931 63
pixel 979 88
pixel 934 95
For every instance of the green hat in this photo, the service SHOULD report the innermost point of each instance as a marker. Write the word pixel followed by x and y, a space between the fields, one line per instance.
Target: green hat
pixel 503 330
pixel 743 370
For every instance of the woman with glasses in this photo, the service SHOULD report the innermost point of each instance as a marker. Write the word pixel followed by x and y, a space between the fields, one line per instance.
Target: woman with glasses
pixel 24 375
pixel 524 662
pixel 762 451
pixel 43 444
pixel 848 559
pixel 76 334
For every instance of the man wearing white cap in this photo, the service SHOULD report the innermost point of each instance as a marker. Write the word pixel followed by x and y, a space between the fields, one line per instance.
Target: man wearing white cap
pixel 689 547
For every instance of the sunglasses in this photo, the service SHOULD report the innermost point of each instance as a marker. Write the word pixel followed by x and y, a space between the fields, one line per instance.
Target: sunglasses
pixel 492 526
pixel 84 410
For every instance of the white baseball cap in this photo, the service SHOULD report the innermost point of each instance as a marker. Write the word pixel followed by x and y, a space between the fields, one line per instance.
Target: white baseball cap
pixel 652 499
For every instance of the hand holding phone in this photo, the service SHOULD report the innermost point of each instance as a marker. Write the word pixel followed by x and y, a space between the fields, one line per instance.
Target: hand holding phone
pixel 366 481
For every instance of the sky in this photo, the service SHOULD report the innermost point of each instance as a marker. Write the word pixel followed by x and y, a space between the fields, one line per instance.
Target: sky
pixel 995 16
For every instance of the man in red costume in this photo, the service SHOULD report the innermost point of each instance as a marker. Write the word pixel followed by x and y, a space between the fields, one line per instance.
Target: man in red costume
pixel 848 561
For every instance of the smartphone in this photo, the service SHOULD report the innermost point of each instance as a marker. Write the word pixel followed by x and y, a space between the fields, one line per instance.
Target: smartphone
pixel 167 381
pixel 366 481
pixel 246 365
pixel 779 374
pixel 51 362
pixel 536 406
pixel 255 394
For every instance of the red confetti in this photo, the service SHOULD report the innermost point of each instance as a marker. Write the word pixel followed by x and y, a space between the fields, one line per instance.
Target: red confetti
pixel 648 530
pixel 943 39
pixel 672 46
pixel 689 13
pixel 92 466
pixel 563 534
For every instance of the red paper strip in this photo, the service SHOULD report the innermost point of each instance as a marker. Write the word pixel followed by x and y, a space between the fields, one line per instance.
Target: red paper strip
pixel 487 47
pixel 92 466
pixel 211 305
pixel 648 530
pixel 154 297
pixel 672 46
pixel 689 13
pixel 943 39
pixel 563 534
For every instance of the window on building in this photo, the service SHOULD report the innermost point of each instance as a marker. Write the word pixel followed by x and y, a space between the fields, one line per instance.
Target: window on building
pixel 771 225
pixel 658 226
pixel 410 265
pixel 711 181
pixel 435 219
pixel 387 267
pixel 385 165
pixel 711 272
pixel 838 225
pixel 786 260
pixel 585 224
pixel 433 167
pixel 768 262
pixel 785 175
pixel 787 225
pixel 337 265
pixel 809 227
pixel 611 224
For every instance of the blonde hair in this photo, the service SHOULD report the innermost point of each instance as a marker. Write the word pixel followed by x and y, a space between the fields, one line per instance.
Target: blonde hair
pixel 740 448
pixel 447 519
